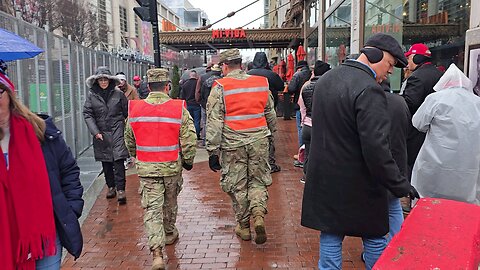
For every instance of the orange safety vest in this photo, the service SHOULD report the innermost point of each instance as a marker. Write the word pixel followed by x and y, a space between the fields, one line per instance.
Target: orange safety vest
pixel 245 102
pixel 156 128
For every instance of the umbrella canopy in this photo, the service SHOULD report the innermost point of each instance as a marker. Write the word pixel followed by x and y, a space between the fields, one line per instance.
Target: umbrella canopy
pixel 301 53
pixel 290 67
pixel 14 47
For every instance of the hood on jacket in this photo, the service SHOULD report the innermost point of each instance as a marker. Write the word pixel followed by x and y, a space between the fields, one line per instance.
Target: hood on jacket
pixel 101 72
pixel 51 131
pixel 260 60
pixel 453 78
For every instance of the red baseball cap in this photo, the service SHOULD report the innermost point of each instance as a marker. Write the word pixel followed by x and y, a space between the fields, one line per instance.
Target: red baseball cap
pixel 136 78
pixel 419 48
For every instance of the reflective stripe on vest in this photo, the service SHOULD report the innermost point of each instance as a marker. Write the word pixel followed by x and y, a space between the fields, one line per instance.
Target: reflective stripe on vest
pixel 245 102
pixel 157 129
pixel 146 119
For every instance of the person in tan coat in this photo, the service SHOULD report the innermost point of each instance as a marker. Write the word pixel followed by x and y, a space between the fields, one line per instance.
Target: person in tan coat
pixel 129 90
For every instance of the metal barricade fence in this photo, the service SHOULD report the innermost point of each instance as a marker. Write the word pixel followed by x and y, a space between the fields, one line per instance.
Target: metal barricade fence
pixel 53 82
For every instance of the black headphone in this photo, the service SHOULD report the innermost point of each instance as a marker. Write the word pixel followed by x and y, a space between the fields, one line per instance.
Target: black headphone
pixel 420 59
pixel 374 55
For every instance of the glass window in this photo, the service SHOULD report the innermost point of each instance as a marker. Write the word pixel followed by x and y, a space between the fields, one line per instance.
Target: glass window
pixel 312 45
pixel 440 24
pixel 337 34
pixel 313 13
pixel 137 27
pixel 123 20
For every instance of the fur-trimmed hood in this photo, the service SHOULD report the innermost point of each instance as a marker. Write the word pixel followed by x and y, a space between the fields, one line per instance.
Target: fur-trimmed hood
pixel 101 72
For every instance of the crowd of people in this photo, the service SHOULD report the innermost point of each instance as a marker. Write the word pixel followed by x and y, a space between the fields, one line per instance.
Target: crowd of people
pixel 368 152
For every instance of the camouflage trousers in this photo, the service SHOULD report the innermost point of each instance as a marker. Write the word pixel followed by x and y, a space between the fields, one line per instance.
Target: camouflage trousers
pixel 159 201
pixel 245 177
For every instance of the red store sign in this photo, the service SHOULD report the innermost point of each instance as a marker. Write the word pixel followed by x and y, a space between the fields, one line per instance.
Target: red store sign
pixel 228 33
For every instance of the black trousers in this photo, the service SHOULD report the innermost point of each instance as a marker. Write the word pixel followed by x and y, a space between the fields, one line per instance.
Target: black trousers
pixel 114 174
pixel 307 138
pixel 287 106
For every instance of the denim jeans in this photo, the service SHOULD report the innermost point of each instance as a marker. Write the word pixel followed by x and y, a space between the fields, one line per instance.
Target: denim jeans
pixel 203 125
pixel 51 262
pixel 195 112
pixel 331 251
pixel 395 217
pixel 298 119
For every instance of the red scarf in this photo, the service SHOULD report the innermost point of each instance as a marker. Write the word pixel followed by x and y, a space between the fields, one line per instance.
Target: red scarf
pixel 27 201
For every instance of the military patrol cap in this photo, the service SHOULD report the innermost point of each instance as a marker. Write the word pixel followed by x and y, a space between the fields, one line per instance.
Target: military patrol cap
pixel 229 55
pixel 157 75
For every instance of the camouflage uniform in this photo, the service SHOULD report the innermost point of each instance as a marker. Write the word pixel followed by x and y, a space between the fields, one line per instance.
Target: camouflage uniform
pixel 243 154
pixel 161 182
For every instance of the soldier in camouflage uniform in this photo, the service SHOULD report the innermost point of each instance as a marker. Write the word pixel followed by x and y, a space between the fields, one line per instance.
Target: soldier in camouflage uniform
pixel 160 181
pixel 240 117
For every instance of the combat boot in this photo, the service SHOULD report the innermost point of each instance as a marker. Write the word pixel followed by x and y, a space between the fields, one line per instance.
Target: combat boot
pixel 259 225
pixel 171 237
pixel 260 234
pixel 243 233
pixel 158 263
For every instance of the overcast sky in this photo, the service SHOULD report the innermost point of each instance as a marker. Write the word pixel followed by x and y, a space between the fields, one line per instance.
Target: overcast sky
pixel 217 9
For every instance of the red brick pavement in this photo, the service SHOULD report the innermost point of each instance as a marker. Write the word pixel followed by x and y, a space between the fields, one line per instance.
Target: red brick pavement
pixel 115 239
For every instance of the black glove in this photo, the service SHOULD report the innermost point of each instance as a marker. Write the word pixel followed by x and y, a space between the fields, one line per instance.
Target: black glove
pixel 214 163
pixel 413 193
pixel 187 167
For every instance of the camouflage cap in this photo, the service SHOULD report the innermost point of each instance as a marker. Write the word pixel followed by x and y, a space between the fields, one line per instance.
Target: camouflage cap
pixel 230 54
pixel 157 75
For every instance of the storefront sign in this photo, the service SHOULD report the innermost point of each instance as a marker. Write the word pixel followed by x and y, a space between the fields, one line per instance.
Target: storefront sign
pixel 229 33
pixel 385 28
pixel 168 26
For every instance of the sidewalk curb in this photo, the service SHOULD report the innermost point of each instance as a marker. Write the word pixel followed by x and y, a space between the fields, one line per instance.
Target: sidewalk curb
pixel 90 196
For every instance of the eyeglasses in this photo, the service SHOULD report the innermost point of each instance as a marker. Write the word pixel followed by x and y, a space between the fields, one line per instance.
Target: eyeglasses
pixel 2 90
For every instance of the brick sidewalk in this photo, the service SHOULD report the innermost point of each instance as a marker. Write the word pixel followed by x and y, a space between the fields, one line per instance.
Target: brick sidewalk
pixel 114 235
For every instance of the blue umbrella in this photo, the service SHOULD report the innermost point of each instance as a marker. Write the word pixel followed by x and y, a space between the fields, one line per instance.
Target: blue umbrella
pixel 14 47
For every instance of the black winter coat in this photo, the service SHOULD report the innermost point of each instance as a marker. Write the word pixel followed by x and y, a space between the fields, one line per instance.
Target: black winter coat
pixel 307 95
pixel 65 186
pixel 350 163
pixel 107 118
pixel 299 78
pixel 419 85
pixel 260 68
pixel 400 119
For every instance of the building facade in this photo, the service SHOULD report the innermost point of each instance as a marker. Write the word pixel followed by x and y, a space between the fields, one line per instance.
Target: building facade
pixel 344 25
pixel 190 16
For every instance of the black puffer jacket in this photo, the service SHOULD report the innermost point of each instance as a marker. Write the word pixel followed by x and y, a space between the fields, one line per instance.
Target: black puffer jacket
pixel 106 116
pixel 296 83
pixel 260 68
pixel 307 95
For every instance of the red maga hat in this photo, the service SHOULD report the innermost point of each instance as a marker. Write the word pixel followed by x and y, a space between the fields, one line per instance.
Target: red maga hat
pixel 419 48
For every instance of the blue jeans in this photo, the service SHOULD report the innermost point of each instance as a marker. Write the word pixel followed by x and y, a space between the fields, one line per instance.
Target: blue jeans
pixel 51 262
pixel 203 125
pixel 395 217
pixel 195 112
pixel 298 119
pixel 331 251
